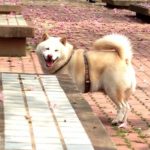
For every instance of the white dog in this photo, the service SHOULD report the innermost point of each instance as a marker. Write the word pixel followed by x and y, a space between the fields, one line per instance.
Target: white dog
pixel 107 67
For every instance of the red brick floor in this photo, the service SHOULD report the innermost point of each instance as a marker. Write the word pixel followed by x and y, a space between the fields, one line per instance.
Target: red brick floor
pixel 137 135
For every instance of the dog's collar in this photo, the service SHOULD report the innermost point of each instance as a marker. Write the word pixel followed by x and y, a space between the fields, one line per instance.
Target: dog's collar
pixel 87 74
pixel 64 63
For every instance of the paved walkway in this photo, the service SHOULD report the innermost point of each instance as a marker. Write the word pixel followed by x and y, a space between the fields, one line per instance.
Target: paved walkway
pixel 93 22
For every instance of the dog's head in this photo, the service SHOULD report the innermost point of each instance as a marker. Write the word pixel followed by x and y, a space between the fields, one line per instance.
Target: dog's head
pixel 53 51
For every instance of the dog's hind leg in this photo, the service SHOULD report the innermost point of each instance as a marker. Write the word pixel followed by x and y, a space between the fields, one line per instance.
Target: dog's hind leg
pixel 121 109
pixel 126 105
pixel 118 96
pixel 122 113
pixel 124 122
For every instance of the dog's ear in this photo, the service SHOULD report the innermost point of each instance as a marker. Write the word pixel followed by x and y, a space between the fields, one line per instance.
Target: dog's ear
pixel 63 40
pixel 45 36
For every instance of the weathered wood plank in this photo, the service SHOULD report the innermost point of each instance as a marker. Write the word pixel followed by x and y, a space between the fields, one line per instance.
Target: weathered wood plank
pixel 14 115
pixel 3 20
pixel 139 8
pixel 21 21
pixel 17 146
pixel 67 132
pixel 44 126
pixel 122 3
pixel 2 127
pixel 142 10
pixel 16 31
pixel 6 8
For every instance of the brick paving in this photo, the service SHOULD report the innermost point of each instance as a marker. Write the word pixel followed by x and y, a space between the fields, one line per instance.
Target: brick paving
pixel 137 135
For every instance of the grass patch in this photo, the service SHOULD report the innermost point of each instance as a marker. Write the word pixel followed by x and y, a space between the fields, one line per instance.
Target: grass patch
pixel 139 132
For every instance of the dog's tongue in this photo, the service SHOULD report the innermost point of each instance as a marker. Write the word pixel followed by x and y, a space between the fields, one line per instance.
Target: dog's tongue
pixel 49 64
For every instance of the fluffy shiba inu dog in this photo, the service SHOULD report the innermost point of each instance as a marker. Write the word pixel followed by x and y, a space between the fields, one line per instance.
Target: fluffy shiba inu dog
pixel 106 67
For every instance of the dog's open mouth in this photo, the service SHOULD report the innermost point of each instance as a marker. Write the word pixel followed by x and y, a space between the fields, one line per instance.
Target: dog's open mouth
pixel 49 61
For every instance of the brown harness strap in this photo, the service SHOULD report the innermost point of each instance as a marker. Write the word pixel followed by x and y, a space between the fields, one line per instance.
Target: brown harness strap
pixel 64 64
pixel 87 74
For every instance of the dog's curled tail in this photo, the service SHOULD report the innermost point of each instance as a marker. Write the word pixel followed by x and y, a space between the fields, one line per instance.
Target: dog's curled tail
pixel 118 42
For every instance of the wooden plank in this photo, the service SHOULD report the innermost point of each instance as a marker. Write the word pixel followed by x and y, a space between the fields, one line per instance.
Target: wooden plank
pixel 12 46
pixel 72 135
pixel 1 118
pixel 3 20
pixel 8 8
pixel 17 146
pixel 13 133
pixel 21 21
pixel 141 8
pixel 36 101
pixel 12 21
pixel 122 3
pixel 14 31
pixel 15 26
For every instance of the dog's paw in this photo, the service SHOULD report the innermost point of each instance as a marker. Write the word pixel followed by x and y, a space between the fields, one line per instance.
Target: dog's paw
pixel 117 121
pixel 123 125
pixel 120 124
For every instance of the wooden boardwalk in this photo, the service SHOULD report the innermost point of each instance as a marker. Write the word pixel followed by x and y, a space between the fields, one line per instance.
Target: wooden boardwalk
pixel 43 112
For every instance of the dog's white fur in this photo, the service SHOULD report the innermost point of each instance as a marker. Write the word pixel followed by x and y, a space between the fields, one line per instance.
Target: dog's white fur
pixel 110 67
pixel 118 42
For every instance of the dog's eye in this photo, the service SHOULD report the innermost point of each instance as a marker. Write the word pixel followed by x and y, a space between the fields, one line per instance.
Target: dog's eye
pixel 47 48
pixel 56 50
